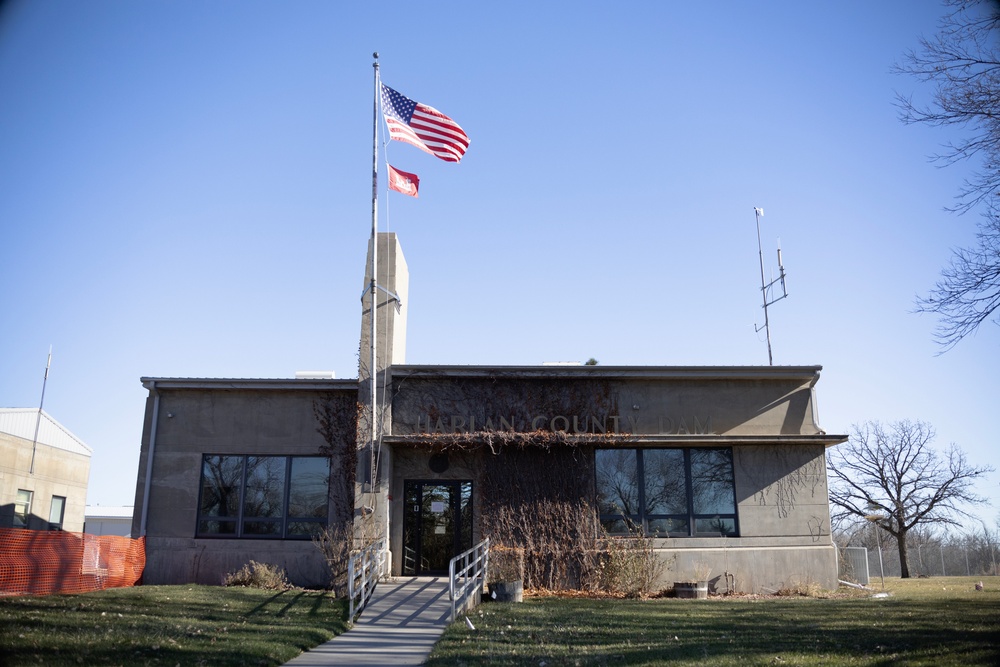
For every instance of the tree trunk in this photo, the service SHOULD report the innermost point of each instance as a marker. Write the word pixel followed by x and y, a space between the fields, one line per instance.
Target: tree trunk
pixel 904 568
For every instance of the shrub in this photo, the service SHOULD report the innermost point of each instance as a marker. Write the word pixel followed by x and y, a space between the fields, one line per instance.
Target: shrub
pixel 630 566
pixel 506 564
pixel 804 588
pixel 336 543
pixel 553 543
pixel 259 575
pixel 559 545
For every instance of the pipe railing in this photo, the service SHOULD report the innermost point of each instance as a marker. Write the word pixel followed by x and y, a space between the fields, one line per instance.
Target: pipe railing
pixel 364 570
pixel 466 577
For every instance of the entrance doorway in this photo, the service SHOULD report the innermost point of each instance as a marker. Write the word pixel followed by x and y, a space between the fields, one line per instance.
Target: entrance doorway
pixel 437 524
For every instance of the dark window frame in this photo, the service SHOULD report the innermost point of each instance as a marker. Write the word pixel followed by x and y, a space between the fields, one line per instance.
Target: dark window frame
pixel 56 519
pixel 240 521
pixel 641 519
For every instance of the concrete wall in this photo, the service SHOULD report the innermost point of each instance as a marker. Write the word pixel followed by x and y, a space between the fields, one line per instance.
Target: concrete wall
pixel 223 417
pixel 767 416
pixel 737 401
pixel 57 472
pixel 784 517
pixel 782 507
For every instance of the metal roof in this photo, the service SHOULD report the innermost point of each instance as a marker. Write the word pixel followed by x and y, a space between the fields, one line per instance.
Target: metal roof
pixel 21 422
pixel 109 511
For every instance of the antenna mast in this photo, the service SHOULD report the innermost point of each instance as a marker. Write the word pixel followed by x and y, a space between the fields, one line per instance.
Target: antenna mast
pixel 38 419
pixel 766 287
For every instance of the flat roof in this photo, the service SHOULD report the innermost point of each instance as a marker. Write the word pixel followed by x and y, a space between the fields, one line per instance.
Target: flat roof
pixel 651 372
pixel 249 383
pixel 492 371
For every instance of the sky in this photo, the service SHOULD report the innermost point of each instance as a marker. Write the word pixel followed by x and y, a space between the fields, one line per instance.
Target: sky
pixel 186 192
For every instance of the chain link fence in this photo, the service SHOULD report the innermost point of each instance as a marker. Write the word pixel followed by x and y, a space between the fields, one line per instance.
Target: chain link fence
pixel 925 560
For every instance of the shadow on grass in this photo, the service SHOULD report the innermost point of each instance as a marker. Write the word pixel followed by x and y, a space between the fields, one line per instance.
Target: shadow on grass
pixel 167 626
pixel 262 607
pixel 729 632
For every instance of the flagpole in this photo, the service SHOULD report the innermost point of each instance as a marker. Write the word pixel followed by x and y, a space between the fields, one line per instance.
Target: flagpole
pixel 374 278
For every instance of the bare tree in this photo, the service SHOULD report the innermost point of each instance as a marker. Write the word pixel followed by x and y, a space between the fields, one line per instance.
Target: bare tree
pixel 963 63
pixel 894 478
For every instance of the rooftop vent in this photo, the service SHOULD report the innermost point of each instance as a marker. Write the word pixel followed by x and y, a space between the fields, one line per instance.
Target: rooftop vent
pixel 315 375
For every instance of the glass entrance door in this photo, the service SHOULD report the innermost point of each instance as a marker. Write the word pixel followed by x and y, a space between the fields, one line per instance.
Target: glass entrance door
pixel 437 524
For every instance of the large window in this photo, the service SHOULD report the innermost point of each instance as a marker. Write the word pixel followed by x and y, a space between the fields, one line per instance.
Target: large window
pixel 263 496
pixel 667 492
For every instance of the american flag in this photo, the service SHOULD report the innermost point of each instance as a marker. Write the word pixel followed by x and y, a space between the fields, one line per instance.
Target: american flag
pixel 422 126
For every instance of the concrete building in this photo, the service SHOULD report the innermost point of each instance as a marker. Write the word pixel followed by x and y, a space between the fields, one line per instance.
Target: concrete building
pixel 234 470
pixel 723 467
pixel 43 479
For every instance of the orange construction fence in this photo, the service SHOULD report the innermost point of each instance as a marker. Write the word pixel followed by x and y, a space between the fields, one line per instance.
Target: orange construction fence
pixel 34 562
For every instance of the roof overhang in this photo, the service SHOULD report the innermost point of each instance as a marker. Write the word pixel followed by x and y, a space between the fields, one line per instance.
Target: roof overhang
pixel 311 384
pixel 810 373
pixel 624 439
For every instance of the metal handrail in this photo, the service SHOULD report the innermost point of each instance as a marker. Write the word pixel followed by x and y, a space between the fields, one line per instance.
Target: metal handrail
pixel 410 561
pixel 364 570
pixel 466 576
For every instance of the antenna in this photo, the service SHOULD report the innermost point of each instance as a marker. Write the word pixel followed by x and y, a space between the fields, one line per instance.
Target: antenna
pixel 38 419
pixel 766 288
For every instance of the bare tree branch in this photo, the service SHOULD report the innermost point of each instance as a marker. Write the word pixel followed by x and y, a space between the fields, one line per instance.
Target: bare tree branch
pixel 962 62
pixel 968 292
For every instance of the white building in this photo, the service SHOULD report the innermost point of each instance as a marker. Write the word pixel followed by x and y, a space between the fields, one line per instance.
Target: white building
pixel 44 471
pixel 108 520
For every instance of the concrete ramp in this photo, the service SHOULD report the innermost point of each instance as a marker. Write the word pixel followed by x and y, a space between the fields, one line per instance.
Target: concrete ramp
pixel 400 626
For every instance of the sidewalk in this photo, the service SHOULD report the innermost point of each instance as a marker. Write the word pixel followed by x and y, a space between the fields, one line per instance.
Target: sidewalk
pixel 400 626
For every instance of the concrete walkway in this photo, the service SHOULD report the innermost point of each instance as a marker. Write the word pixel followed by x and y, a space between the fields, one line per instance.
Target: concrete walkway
pixel 400 626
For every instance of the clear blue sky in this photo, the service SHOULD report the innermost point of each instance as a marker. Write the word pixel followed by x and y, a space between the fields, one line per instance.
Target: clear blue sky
pixel 186 193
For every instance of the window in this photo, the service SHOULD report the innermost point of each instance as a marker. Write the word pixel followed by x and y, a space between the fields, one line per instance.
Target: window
pixel 667 492
pixel 263 496
pixel 22 508
pixel 56 511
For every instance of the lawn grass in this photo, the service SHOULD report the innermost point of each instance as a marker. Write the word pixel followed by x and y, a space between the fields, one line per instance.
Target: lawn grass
pixel 935 622
pixel 167 625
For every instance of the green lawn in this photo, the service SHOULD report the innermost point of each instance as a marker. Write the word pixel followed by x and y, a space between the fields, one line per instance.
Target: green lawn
pixel 934 622
pixel 167 625
pixel 938 621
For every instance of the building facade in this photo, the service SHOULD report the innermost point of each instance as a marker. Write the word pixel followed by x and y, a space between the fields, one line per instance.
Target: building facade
pixel 44 471
pixel 722 468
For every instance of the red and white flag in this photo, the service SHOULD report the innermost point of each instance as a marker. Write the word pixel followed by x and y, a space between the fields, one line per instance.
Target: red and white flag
pixel 403 181
pixel 422 126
